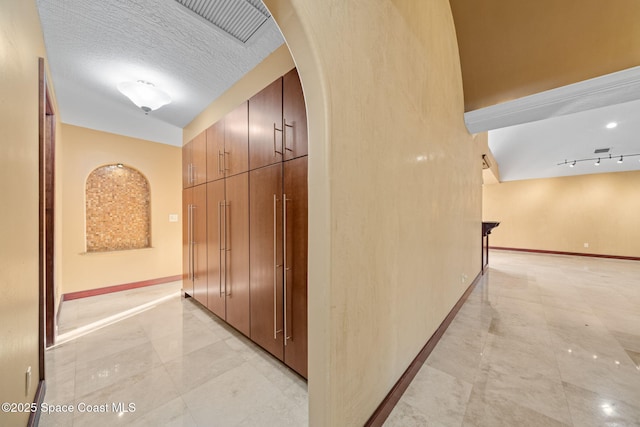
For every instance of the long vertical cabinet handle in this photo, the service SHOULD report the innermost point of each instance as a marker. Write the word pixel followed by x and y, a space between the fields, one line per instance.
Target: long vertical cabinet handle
pixel 284 244
pixel 221 251
pixel 192 174
pixel 189 239
pixel 275 149
pixel 275 266
pixel 284 134
pixel 226 248
pixel 193 243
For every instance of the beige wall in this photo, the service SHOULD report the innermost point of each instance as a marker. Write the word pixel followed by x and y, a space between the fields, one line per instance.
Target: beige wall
pixel 394 190
pixel 21 44
pixel 82 151
pixel 278 63
pixel 561 214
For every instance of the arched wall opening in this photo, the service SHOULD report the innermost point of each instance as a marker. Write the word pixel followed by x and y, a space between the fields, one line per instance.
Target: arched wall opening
pixel 394 191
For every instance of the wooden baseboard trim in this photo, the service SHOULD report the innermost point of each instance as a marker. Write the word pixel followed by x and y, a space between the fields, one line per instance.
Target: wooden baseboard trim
pixel 393 397
pixel 34 417
pixel 118 288
pixel 542 251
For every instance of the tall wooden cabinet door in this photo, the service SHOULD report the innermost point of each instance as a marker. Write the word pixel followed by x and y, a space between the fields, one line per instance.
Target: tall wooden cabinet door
pixel 265 196
pixel 295 264
pixel 215 248
pixel 236 140
pixel 236 240
pixel 265 126
pixel 215 151
pixel 187 200
pixel 199 219
pixel 294 116
pixel 199 159
pixel 186 166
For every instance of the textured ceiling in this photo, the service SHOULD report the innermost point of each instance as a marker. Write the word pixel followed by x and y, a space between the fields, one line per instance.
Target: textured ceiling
pixel 94 45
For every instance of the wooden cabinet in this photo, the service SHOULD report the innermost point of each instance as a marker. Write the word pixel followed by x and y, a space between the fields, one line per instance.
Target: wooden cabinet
pixel 215 248
pixel 228 250
pixel 294 117
pixel 236 226
pixel 278 248
pixel 245 228
pixel 228 144
pixel 194 161
pixel 195 242
pixel 215 151
pixel 265 213
pixel 295 230
pixel 265 126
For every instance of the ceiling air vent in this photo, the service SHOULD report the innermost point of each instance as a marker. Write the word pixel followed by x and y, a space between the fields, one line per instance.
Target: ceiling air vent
pixel 602 150
pixel 239 19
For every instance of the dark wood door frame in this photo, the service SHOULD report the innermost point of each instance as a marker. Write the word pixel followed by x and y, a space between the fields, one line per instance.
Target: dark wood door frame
pixel 47 132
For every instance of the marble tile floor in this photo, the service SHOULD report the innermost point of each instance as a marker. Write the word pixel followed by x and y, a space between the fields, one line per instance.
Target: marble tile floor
pixel 544 340
pixel 173 362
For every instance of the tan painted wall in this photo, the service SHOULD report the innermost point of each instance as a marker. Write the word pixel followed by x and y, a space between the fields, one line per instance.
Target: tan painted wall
pixel 82 151
pixel 394 190
pixel 278 63
pixel 511 49
pixel 561 214
pixel 21 44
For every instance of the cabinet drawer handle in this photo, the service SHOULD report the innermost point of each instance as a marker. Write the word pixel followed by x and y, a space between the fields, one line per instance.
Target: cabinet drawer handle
pixel 275 129
pixel 220 171
pixel 284 135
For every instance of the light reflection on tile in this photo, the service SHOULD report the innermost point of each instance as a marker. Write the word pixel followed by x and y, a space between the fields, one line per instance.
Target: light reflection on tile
pixel 159 358
pixel 543 340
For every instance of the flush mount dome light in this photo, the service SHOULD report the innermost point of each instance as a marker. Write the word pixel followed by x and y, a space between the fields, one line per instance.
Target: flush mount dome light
pixel 611 125
pixel 144 94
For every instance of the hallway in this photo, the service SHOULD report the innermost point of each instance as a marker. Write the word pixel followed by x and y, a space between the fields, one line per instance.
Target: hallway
pixel 542 341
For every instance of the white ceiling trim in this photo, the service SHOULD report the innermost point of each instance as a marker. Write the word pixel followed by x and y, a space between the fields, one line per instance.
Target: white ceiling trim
pixel 615 88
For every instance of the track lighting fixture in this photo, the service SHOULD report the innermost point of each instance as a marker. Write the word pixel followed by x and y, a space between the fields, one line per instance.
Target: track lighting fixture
pixel 598 160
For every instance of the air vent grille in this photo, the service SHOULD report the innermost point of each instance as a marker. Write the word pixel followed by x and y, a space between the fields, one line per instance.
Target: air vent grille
pixel 602 150
pixel 238 18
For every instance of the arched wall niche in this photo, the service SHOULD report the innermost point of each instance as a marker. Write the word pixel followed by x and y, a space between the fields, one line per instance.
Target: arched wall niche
pixel 117 209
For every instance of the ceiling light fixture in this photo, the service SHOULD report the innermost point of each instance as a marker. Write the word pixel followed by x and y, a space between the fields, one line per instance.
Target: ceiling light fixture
pixel 144 94
pixel 598 160
pixel 611 125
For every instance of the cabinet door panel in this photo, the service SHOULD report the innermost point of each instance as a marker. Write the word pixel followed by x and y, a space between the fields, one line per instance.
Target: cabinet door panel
pixel 236 140
pixel 187 200
pixel 215 151
pixel 215 248
pixel 199 159
pixel 295 116
pixel 199 219
pixel 265 115
pixel 295 253
pixel 186 166
pixel 265 196
pixel 237 251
